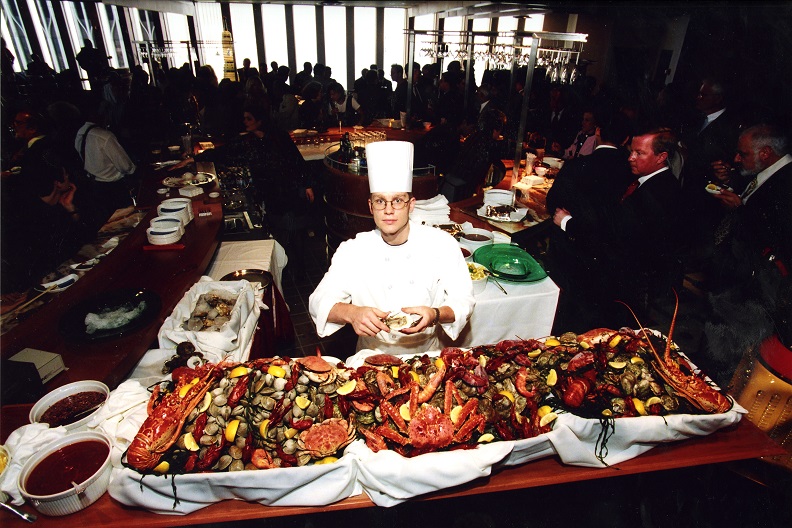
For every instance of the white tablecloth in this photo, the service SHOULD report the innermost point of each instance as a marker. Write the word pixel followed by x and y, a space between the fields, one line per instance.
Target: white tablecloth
pixel 266 255
pixel 527 311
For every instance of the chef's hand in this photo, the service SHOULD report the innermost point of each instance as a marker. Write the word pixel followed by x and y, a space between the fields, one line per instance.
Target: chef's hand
pixel 728 199
pixel 427 318
pixel 365 320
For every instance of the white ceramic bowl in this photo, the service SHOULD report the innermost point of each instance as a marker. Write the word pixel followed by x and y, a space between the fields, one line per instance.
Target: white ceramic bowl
pixel 69 501
pixel 186 201
pixel 465 238
pixel 540 171
pixel 52 397
pixel 167 222
pixel 177 210
pixel 479 285
pixel 162 236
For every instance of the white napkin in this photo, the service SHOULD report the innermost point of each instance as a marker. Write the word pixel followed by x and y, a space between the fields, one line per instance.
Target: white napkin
pixel 436 203
pixel 433 211
pixel 21 445
pixel 234 340
pixel 121 416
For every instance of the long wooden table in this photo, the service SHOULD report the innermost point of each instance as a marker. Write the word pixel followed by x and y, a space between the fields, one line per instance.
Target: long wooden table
pixel 168 273
pixel 740 442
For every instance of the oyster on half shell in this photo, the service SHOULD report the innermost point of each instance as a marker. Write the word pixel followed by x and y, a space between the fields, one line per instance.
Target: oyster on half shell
pixel 401 320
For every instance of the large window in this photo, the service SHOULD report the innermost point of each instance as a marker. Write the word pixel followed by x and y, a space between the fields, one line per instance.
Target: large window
pixel 365 38
pixel 335 42
pixel 274 17
pixel 244 30
pixel 111 30
pixel 395 22
pixel 46 27
pixel 209 33
pixel 304 36
pixel 178 34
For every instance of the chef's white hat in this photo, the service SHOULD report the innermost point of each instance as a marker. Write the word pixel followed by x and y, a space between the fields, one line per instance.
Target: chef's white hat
pixel 390 166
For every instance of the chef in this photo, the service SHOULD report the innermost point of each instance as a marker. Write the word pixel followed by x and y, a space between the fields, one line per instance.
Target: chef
pixel 400 266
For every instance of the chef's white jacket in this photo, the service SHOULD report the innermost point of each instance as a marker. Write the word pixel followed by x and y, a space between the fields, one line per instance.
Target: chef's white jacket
pixel 427 270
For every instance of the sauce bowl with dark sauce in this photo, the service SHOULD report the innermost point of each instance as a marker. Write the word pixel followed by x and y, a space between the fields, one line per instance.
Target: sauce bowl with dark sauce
pixel 68 474
pixel 70 406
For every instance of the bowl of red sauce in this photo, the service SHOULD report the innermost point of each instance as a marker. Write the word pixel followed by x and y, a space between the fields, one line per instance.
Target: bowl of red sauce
pixel 70 406
pixel 68 474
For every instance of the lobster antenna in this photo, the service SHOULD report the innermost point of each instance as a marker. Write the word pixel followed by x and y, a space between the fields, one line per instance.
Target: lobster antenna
pixel 643 330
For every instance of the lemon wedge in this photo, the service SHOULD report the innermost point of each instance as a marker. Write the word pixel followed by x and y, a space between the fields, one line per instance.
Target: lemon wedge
pixel 482 359
pixel 346 388
pixel 584 345
pixel 238 371
pixel 439 363
pixel 395 371
pixel 263 427
pixel 414 376
pixel 639 406
pixel 186 388
pixel 607 412
pixel 508 394
pixel 615 341
pixel 552 341
pixel 635 360
pixel 275 370
pixel 404 411
pixel 543 410
pixel 190 443
pixel 552 378
pixel 547 418
pixel 291 432
pixel 455 414
pixel 534 353
pixel 486 437
pixel 654 400
pixel 326 460
pixel 231 430
pixel 617 364
pixel 162 467
pixel 302 402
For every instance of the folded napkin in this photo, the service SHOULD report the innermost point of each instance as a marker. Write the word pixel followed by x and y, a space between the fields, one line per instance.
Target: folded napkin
pixel 433 211
pixel 21 445
pixel 121 416
pixel 438 203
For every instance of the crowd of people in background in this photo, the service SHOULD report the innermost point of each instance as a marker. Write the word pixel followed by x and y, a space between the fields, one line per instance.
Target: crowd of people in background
pixel 691 131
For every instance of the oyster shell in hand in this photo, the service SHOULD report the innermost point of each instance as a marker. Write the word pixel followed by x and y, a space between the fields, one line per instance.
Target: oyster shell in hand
pixel 400 320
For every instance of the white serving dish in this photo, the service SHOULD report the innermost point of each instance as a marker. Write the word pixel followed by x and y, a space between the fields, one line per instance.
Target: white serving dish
pixel 54 396
pixel 553 163
pixel 473 245
pixel 167 222
pixel 69 501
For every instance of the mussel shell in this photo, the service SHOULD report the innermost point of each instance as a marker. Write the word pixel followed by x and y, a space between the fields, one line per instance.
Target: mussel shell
pixel 223 462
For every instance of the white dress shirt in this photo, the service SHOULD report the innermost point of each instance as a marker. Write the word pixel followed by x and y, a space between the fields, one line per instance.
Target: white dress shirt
pixel 764 175
pixel 105 158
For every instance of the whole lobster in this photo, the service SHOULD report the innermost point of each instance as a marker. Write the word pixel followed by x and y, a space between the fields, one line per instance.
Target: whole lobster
pixel 165 419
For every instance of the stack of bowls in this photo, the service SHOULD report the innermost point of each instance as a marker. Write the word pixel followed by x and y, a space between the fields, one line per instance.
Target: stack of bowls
pixel 177 206
pixel 165 230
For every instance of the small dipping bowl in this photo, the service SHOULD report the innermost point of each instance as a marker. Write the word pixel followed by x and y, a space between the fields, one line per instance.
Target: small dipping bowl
pixel 479 285
pixel 540 171
pixel 68 391
pixel 474 238
pixel 81 458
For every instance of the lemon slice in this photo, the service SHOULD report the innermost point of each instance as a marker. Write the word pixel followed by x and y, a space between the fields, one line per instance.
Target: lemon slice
pixel 607 412
pixel 508 394
pixel 455 414
pixel 162 467
pixel 414 376
pixel 482 359
pixel 263 427
pixel 654 400
pixel 395 371
pixel 302 402
pixel 347 387
pixel 552 341
pixel 190 443
pixel 290 432
pixel 639 406
pixel 326 460
pixel 617 364
pixel 547 418
pixel 186 388
pixel 486 437
pixel 534 353
pixel 231 430
pixel 238 371
pixel 404 411
pixel 552 378
pixel 543 410
pixel 615 341
pixel 584 345
pixel 207 401
pixel 635 360
pixel 275 370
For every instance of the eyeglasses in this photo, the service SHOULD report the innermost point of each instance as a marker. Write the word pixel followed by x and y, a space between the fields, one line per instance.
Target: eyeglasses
pixel 380 204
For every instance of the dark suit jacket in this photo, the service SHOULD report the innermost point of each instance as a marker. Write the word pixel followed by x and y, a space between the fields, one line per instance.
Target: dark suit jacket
pixel 716 142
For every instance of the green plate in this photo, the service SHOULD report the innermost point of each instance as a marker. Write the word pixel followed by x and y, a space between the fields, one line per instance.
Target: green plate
pixel 509 262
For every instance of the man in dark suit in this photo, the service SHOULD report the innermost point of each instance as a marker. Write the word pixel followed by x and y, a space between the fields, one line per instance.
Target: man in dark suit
pixel 711 139
pixel 640 233
pixel 246 72
pixel 751 287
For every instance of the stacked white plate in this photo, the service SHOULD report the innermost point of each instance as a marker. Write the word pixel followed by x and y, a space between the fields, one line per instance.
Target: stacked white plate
pixel 176 209
pixel 171 201
pixel 165 230
pixel 495 197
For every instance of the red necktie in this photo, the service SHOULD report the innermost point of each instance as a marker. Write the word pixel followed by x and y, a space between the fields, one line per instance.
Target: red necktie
pixel 631 189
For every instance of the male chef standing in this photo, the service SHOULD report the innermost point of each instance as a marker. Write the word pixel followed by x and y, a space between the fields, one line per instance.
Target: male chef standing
pixel 400 266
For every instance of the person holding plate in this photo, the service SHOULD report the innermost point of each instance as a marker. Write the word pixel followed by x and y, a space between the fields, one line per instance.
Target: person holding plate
pixel 400 268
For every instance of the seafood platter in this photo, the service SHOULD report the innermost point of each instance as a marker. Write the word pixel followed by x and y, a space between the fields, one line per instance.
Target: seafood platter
pixel 311 431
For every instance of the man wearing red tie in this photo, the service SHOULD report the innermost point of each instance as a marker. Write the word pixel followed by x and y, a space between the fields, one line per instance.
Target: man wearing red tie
pixel 643 229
